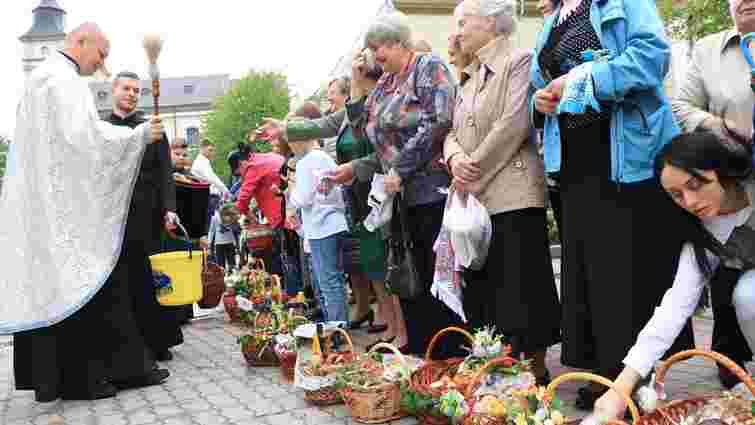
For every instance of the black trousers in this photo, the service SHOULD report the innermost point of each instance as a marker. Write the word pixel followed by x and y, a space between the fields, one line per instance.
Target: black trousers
pixel 426 315
pixel 225 254
pixel 727 336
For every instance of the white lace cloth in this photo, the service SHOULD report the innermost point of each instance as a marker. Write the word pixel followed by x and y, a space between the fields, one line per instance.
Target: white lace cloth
pixel 64 201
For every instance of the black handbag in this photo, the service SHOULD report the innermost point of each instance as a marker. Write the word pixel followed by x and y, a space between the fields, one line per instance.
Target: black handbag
pixel 402 278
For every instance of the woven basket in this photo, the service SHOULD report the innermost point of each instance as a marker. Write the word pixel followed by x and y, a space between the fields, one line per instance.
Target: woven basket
pixel 584 376
pixel 231 306
pixel 213 283
pixel 671 413
pixel 477 418
pixel 329 394
pixel 432 371
pixel 380 404
pixel 267 358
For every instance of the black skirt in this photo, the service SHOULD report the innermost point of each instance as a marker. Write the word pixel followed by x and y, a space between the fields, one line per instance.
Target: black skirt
pixel 516 291
pixel 621 246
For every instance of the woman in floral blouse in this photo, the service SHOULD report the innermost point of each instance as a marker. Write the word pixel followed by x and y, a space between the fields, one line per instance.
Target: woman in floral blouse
pixel 406 117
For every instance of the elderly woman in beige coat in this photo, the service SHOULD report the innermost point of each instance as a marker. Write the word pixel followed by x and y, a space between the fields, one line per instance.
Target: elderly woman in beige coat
pixel 492 156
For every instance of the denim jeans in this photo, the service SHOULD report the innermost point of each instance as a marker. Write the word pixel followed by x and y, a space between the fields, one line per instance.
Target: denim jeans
pixel 328 268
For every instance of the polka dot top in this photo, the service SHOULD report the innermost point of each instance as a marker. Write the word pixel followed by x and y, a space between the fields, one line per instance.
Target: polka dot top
pixel 563 51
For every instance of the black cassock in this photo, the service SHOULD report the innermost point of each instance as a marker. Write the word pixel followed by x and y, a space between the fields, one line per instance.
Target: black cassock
pixel 154 194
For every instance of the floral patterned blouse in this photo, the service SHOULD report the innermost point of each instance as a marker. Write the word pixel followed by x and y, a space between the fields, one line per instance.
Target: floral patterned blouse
pixel 406 118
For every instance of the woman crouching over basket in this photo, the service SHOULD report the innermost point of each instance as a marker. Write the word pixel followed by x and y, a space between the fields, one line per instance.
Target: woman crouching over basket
pixel 713 181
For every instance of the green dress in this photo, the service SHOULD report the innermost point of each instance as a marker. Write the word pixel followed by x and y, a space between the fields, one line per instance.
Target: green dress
pixel 372 255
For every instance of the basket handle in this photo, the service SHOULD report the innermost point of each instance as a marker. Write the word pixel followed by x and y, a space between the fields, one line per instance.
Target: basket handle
pixel 584 376
pixel 431 346
pixel 484 370
pixel 346 335
pixel 258 262
pixel 717 357
pixel 393 349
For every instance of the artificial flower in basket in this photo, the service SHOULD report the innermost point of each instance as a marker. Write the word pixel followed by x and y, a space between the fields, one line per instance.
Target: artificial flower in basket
pixel 436 391
pixel 286 349
pixel 258 350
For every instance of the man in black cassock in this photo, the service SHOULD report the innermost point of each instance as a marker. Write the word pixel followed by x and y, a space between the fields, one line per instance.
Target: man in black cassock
pixel 153 206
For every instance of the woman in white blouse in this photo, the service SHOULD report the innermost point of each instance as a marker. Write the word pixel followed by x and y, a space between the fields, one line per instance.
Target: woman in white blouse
pixel 712 180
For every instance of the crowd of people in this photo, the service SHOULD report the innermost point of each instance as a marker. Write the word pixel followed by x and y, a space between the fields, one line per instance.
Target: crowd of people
pixel 652 195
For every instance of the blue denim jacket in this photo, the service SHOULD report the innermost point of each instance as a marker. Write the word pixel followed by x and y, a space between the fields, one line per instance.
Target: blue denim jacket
pixel 630 83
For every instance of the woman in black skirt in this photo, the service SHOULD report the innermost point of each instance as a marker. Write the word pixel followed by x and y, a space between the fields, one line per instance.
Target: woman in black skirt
pixel 491 156
pixel 620 238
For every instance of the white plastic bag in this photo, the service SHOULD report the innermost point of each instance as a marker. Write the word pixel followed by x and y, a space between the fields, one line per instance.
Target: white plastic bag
pixel 470 227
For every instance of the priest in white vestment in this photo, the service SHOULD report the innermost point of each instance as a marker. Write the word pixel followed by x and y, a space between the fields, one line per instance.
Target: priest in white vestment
pixel 63 208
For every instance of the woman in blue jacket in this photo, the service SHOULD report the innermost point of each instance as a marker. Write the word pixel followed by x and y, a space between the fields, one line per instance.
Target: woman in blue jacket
pixel 598 80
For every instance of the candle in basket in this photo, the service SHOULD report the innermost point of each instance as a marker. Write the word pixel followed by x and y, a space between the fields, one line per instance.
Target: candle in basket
pixel 316 349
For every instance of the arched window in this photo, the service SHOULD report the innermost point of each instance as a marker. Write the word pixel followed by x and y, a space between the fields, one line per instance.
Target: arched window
pixel 192 135
pixel 45 51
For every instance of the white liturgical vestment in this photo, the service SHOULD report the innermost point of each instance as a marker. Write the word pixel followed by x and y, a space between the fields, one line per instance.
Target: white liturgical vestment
pixel 64 201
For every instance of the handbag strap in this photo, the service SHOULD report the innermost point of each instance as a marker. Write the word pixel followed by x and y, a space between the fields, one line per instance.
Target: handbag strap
pixel 403 220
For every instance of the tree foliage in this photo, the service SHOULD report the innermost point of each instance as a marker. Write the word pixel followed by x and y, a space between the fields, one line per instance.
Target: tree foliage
pixel 255 96
pixel 694 19
pixel 3 156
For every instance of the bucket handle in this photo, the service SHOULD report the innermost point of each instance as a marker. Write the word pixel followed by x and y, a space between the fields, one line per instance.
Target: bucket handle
pixel 189 243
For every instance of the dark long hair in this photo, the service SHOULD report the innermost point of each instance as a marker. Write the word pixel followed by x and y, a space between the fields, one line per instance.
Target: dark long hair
pixel 731 159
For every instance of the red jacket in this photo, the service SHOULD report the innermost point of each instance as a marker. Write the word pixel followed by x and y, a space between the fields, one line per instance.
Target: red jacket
pixel 260 175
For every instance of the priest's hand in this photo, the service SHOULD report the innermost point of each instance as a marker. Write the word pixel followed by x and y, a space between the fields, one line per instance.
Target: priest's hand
pixel 156 129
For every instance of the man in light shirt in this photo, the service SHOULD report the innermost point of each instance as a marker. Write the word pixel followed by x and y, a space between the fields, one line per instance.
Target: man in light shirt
pixel 716 88
pixel 202 168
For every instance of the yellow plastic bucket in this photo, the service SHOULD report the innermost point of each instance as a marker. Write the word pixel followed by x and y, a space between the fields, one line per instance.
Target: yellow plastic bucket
pixel 184 268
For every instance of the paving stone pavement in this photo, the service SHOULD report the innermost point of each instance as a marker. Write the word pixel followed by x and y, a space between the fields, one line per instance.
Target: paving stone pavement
pixel 210 384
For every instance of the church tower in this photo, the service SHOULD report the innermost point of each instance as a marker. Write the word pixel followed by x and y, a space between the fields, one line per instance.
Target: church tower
pixel 46 35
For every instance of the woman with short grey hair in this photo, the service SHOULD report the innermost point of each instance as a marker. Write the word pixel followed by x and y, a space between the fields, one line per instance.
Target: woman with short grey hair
pixel 406 117
pixel 491 156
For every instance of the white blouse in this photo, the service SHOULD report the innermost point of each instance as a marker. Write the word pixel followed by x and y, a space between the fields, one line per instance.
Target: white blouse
pixel 681 300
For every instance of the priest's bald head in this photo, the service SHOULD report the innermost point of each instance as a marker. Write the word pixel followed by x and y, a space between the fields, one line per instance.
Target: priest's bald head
pixel 89 47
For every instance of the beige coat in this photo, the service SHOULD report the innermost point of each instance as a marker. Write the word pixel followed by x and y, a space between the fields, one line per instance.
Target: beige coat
pixel 494 130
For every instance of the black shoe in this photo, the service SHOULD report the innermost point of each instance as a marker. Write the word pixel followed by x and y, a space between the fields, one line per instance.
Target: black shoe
pixel 728 379
pixel 155 377
pixel 164 356
pixel 377 329
pixel 586 398
pixel 46 395
pixel 369 318
pixel 96 391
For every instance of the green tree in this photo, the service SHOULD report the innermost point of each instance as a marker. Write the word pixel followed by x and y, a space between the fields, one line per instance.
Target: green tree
pixel 694 19
pixel 3 156
pixel 255 96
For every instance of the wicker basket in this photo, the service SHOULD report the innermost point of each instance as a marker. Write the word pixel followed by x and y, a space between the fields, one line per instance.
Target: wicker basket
pixel 267 358
pixel 380 404
pixel 672 412
pixel 432 371
pixel 213 283
pixel 477 418
pixel 584 376
pixel 328 394
pixel 231 306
